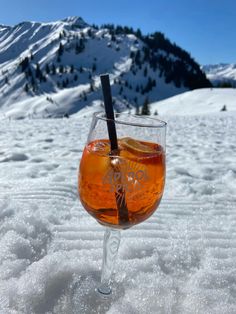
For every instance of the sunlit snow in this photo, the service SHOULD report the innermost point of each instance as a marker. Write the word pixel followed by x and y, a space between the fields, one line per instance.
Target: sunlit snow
pixel 181 260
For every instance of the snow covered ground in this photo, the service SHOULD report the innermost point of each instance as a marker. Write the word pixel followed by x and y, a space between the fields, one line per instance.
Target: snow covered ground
pixel 199 101
pixel 181 260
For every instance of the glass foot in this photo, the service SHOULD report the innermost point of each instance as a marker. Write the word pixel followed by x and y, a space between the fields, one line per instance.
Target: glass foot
pixel 104 290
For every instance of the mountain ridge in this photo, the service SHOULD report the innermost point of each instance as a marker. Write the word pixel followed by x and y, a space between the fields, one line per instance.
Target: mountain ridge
pixel 39 59
pixel 221 73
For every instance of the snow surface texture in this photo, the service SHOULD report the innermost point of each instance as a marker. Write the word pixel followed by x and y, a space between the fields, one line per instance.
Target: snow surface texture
pixel 181 260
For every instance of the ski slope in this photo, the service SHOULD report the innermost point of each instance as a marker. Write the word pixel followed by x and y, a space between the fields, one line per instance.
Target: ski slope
pixel 197 102
pixel 181 260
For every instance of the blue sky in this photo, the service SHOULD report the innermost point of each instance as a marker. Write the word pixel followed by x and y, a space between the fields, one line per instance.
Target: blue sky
pixel 206 29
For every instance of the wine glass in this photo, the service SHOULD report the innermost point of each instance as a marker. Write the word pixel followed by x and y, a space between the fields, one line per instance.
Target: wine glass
pixel 123 187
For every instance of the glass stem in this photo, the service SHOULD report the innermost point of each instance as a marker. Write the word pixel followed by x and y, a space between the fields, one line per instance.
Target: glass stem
pixel 110 249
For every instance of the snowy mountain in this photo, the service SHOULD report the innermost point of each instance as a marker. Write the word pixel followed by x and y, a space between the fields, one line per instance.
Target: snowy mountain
pixel 221 73
pixel 52 69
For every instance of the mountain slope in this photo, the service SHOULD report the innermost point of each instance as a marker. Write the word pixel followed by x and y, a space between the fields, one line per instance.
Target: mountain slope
pixel 200 101
pixel 40 60
pixel 221 73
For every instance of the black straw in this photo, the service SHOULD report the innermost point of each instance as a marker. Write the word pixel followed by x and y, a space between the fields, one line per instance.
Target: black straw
pixel 123 213
pixel 106 89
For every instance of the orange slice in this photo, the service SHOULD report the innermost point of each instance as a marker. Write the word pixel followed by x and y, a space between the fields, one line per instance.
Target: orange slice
pixel 137 147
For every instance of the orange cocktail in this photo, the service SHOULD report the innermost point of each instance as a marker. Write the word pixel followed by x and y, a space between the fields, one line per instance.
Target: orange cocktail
pixel 123 188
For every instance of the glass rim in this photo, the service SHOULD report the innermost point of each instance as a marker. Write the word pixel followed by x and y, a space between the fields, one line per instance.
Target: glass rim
pixel 159 123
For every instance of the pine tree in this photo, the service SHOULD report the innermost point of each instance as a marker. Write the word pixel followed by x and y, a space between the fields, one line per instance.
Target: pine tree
pixel 132 54
pixel 89 32
pixel 33 84
pixel 137 112
pixel 137 58
pixel 60 49
pixel 26 88
pixel 145 109
pixel 47 69
pixel 72 68
pixel 24 64
pixel 26 75
pixel 113 37
pixel 91 88
pixel 53 69
pixel 139 33
pixel 38 73
pixel 29 72
pixel 145 71
pixel 94 67
pixel 79 47
pixel 61 69
pixel 146 52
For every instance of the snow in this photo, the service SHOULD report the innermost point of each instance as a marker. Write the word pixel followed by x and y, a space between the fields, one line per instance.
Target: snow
pixel 199 101
pixel 222 72
pixel 40 43
pixel 181 260
pixel 57 104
